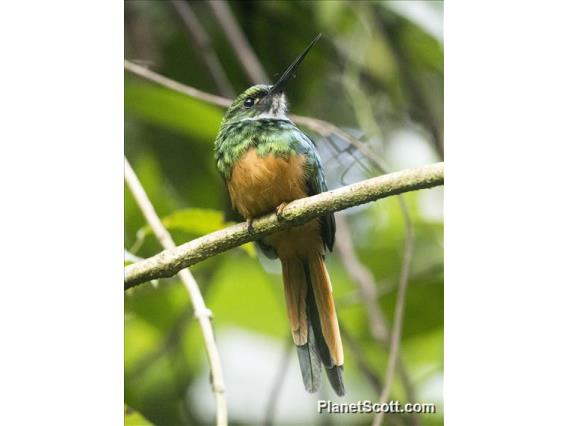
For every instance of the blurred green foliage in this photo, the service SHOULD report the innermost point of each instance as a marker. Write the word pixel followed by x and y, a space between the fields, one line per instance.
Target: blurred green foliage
pixel 133 418
pixel 378 73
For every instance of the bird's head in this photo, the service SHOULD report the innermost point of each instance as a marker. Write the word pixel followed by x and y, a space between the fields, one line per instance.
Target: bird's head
pixel 265 101
pixel 257 102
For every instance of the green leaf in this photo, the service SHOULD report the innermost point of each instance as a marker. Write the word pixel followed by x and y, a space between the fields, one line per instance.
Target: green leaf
pixel 195 221
pixel 173 110
pixel 134 418
pixel 249 249
pixel 247 296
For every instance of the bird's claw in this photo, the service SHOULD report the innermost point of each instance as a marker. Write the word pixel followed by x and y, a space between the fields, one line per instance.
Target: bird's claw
pixel 279 211
pixel 250 229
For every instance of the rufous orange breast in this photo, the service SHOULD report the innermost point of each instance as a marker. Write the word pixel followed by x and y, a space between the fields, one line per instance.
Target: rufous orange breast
pixel 259 184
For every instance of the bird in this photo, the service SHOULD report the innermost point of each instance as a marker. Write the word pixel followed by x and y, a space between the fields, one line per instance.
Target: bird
pixel 266 161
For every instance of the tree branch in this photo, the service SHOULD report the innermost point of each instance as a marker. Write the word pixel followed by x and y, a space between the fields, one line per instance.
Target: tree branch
pixel 201 312
pixel 170 261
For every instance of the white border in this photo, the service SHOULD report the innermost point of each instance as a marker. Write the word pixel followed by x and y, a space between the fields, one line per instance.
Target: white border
pixel 61 309
pixel 505 213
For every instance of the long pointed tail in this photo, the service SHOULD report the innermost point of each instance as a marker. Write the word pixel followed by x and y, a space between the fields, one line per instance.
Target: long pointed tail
pixel 313 321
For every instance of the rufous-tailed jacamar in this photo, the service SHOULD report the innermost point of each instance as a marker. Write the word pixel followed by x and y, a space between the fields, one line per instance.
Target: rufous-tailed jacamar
pixel 266 162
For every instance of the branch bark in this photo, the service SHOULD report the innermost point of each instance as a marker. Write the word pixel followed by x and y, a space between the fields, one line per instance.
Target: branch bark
pixel 201 312
pixel 172 260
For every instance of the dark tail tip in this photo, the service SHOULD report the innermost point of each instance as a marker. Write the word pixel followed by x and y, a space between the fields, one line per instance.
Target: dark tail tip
pixel 310 366
pixel 335 376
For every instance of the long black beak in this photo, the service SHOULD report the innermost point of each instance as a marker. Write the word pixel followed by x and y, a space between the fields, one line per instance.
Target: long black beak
pixel 290 72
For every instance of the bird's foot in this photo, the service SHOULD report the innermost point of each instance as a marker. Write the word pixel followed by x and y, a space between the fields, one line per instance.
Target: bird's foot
pixel 279 211
pixel 250 229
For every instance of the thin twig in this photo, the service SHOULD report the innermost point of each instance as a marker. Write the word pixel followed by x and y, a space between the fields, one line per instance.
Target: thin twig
pixel 397 325
pixel 236 37
pixel 374 380
pixel 364 280
pixel 368 295
pixel 204 48
pixel 321 127
pixel 363 112
pixel 201 312
pixel 144 72
pixel 366 369
pixel 297 212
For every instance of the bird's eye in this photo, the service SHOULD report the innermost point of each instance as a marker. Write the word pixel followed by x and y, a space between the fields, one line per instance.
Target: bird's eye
pixel 249 102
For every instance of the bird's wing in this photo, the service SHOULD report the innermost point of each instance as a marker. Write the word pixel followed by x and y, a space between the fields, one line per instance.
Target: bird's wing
pixel 289 136
pixel 316 183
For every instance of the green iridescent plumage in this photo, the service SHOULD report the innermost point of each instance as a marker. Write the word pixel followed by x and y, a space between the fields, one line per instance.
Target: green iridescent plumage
pixel 266 127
